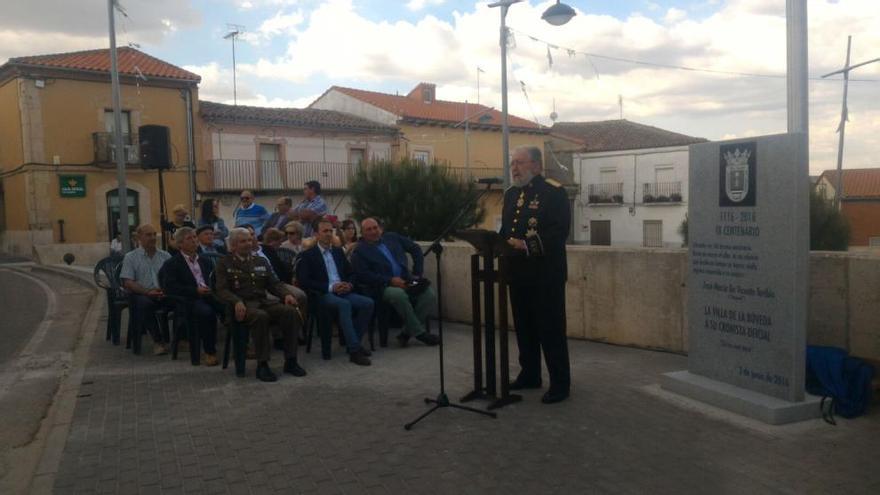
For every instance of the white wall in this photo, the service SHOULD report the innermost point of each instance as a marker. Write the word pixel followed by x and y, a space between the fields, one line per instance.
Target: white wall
pixel 634 169
pixel 341 102
pixel 231 145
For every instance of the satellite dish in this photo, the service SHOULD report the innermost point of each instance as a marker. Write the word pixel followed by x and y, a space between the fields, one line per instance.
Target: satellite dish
pixel 554 116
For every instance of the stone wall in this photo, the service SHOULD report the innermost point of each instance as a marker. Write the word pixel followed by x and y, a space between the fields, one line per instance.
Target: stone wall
pixel 638 297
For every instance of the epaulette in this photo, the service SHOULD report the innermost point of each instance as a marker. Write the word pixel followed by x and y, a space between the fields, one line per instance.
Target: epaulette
pixel 553 182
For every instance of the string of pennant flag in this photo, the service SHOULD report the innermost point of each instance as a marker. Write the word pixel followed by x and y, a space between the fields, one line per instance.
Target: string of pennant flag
pixel 573 53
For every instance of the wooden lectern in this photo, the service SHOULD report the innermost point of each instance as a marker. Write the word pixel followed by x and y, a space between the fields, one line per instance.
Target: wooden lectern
pixel 489 245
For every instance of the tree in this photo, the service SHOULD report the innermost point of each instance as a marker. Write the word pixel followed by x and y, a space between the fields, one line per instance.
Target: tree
pixel 413 199
pixel 829 229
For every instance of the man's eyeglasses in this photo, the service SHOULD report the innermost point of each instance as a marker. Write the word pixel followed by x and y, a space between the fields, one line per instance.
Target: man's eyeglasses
pixel 245 198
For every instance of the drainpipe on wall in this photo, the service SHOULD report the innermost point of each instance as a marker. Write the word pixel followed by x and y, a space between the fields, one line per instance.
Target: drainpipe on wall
pixel 190 149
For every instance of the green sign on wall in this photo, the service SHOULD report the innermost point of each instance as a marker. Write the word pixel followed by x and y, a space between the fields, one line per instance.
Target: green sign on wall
pixel 72 186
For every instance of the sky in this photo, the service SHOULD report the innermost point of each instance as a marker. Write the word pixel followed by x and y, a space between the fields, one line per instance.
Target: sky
pixel 291 51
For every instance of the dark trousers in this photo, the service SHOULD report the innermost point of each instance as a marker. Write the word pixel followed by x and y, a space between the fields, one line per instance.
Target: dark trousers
pixel 142 313
pixel 539 318
pixel 258 317
pixel 204 315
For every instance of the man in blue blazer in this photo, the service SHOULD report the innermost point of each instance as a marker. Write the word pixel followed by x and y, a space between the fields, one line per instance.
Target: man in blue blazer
pixel 186 277
pixel 379 261
pixel 325 270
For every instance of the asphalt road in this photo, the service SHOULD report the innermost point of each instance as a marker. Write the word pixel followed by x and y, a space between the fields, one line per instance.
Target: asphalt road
pixel 22 306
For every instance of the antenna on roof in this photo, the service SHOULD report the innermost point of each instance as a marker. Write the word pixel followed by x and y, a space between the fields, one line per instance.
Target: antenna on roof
pixel 132 44
pixel 234 30
pixel 140 75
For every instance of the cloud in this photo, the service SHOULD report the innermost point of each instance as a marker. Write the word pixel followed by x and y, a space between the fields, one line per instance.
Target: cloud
pixel 60 25
pixel 417 5
pixel 280 24
pixel 217 86
pixel 740 36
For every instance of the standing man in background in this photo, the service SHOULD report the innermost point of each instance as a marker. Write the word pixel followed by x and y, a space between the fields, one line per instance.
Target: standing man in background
pixel 535 222
pixel 250 213
pixel 311 208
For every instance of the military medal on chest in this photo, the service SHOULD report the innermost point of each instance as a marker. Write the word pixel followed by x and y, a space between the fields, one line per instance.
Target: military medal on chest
pixel 534 203
pixel 533 227
pixel 521 200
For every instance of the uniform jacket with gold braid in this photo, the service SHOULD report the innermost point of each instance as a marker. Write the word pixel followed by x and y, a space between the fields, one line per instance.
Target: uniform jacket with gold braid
pixel 246 279
pixel 538 213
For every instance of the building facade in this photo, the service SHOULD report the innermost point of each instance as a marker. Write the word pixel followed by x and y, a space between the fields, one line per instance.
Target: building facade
pixel 633 183
pixel 463 136
pixel 274 151
pixel 57 158
pixel 860 203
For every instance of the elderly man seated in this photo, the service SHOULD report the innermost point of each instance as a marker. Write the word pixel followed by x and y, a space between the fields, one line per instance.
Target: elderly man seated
pixel 140 277
pixel 242 280
pixel 325 270
pixel 380 263
pixel 186 277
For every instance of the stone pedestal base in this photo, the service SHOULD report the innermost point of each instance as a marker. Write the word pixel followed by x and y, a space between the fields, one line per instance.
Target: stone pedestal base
pixel 747 403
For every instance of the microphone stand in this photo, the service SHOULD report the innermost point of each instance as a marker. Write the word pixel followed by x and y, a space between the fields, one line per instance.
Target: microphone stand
pixel 442 400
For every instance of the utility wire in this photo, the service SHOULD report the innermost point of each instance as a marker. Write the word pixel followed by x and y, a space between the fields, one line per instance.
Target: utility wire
pixel 590 55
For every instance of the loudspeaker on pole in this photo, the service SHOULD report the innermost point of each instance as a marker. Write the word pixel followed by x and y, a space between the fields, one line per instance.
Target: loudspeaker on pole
pixel 155 146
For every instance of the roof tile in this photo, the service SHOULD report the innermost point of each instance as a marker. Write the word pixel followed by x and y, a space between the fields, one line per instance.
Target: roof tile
pixel 129 62
pixel 617 135
pixel 857 182
pixel 305 117
pixel 412 107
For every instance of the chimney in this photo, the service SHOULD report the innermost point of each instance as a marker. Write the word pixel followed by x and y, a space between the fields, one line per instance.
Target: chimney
pixel 424 92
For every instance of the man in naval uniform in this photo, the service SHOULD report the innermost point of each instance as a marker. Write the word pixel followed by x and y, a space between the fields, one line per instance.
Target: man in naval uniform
pixel 535 222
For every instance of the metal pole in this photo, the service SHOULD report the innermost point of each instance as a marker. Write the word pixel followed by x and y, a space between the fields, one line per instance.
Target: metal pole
pixel 467 142
pixel 478 85
pixel 117 134
pixel 797 56
pixel 234 87
pixel 505 129
pixel 844 116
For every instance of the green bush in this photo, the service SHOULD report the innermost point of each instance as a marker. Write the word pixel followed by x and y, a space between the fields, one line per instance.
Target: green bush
pixel 413 199
pixel 829 229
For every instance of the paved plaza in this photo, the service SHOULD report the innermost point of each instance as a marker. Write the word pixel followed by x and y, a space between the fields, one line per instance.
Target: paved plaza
pixel 145 424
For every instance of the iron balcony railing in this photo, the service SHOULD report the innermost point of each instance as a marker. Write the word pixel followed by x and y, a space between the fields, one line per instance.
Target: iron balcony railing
pixel 608 193
pixel 273 175
pixel 105 149
pixel 662 192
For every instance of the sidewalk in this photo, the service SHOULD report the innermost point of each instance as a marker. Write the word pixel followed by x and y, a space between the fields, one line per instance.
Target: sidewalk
pixel 146 424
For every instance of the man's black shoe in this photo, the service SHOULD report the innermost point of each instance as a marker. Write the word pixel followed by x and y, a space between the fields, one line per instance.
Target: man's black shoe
pixel 292 367
pixel 366 352
pixel 264 374
pixel 428 339
pixel 554 395
pixel 521 384
pixel 403 339
pixel 359 358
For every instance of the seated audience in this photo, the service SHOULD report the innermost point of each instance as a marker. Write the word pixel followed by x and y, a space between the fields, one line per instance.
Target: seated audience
pixel 211 216
pixel 281 216
pixel 272 239
pixel 140 277
pixel 325 270
pixel 311 208
pixel 294 232
pixel 380 264
pixel 242 280
pixel 205 235
pixel 248 213
pixel 178 219
pixel 348 236
pixel 187 277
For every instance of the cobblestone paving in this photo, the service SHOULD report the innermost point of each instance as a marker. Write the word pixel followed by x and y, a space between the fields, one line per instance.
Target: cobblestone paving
pixel 149 425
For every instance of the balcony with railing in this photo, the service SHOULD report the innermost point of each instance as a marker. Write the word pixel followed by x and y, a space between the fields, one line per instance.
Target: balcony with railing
pixel 661 193
pixel 472 174
pixel 270 175
pixel 610 193
pixel 105 149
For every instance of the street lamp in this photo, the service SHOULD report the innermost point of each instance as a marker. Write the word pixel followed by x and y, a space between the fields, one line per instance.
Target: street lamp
pixel 557 15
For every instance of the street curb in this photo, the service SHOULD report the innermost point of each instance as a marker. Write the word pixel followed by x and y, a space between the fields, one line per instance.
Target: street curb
pixel 81 277
pixel 51 438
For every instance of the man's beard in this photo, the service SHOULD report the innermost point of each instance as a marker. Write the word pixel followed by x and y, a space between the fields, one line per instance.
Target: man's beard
pixel 526 176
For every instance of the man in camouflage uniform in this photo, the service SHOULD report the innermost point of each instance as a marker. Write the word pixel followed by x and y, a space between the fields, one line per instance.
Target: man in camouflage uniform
pixel 535 222
pixel 242 280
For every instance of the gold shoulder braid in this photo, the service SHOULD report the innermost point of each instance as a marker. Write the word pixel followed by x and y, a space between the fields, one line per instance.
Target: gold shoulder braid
pixel 553 182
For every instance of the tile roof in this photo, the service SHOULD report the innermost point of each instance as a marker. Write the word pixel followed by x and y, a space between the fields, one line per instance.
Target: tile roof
pixel 857 182
pixel 618 135
pixel 412 108
pixel 129 61
pixel 296 117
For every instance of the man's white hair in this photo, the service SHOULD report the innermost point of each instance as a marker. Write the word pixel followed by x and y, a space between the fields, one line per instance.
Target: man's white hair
pixel 182 232
pixel 236 234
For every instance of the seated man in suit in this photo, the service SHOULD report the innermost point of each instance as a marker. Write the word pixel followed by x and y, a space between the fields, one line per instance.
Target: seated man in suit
pixel 186 277
pixel 206 245
pixel 242 280
pixel 380 263
pixel 325 270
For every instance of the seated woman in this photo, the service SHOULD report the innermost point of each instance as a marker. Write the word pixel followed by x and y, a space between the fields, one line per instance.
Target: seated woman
pixel 348 236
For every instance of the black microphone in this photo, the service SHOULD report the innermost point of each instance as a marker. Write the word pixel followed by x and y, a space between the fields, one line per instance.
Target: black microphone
pixel 490 180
